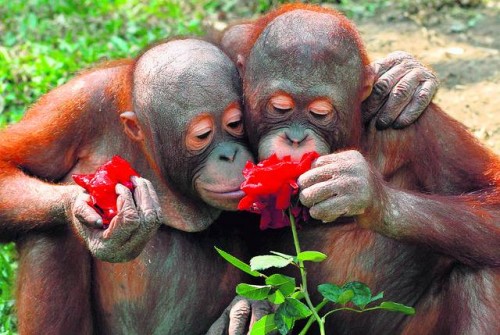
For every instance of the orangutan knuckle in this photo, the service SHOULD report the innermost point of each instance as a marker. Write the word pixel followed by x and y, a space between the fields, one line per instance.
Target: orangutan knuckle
pixel 305 198
pixel 314 212
pixel 323 160
pixel 130 215
pixel 240 310
pixel 382 86
pixel 402 91
pixel 319 214
pixel 424 92
pixel 353 159
pixel 349 156
pixel 423 97
pixel 149 215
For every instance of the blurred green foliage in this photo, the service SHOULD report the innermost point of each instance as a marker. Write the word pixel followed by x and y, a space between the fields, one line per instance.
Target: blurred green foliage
pixel 8 266
pixel 43 42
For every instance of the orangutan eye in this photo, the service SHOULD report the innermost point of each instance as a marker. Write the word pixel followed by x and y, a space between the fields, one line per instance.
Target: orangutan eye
pixel 233 121
pixel 282 110
pixel 200 132
pixel 321 109
pixel 204 135
pixel 281 103
pixel 235 124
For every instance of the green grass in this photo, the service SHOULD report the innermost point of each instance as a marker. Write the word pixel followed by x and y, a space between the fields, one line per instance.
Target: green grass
pixel 8 267
pixel 45 42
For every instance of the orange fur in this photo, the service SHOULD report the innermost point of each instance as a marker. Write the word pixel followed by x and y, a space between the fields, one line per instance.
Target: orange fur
pixel 262 22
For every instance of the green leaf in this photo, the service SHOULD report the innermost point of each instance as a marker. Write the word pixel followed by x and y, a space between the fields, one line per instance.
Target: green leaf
pixel 268 261
pixel 397 307
pixel 330 291
pixel 377 297
pixel 299 295
pixel 255 292
pixel 276 297
pixel 311 256
pixel 288 312
pixel 238 264
pixel 345 297
pixel 283 283
pixel 264 326
pixel 295 309
pixel 290 257
pixel 283 322
pixel 362 293
pixel 282 255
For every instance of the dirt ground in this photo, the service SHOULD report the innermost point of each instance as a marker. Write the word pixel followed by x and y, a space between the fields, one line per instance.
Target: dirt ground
pixel 465 58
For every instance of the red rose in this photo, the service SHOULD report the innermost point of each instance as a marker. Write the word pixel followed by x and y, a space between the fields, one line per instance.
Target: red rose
pixel 101 185
pixel 270 184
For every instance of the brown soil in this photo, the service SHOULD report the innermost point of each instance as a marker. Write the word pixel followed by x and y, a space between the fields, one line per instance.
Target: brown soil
pixel 466 60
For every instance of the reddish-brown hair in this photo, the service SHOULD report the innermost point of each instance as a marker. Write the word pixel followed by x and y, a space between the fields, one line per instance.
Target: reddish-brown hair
pixel 261 23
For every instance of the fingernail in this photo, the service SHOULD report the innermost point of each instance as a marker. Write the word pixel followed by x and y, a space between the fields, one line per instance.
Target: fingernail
pixel 118 187
pixel 134 180
pixel 99 223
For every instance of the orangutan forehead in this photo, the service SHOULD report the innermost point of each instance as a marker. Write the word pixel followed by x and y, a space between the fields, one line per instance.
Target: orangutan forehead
pixel 305 33
pixel 187 60
pixel 184 75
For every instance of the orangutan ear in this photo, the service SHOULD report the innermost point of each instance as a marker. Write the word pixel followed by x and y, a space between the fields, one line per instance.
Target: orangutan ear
pixel 240 64
pixel 234 41
pixel 131 126
pixel 368 82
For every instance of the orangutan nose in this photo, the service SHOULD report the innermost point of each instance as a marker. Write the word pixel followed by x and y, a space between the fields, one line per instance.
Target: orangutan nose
pixel 295 136
pixel 228 153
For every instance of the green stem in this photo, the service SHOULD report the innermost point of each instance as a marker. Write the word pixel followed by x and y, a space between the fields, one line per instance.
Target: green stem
pixel 311 318
pixel 352 310
pixel 303 275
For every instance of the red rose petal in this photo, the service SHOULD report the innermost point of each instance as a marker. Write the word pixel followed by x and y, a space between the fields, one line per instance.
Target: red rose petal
pixel 101 185
pixel 269 185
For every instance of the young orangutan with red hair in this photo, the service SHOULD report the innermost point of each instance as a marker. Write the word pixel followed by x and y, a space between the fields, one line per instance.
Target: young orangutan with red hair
pixel 413 212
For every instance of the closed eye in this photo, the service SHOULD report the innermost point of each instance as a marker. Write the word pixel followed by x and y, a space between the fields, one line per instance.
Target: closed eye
pixel 281 103
pixel 281 110
pixel 235 124
pixel 204 135
pixel 232 120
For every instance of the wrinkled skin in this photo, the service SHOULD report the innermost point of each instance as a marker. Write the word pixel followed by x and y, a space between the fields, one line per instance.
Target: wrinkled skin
pixel 402 90
pixel 340 185
pixel 139 216
pixel 403 211
pixel 403 87
pixel 240 316
pixel 174 114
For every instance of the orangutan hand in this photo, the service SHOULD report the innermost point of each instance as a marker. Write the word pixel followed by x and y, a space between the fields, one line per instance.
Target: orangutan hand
pixel 137 219
pixel 403 89
pixel 239 317
pixel 340 184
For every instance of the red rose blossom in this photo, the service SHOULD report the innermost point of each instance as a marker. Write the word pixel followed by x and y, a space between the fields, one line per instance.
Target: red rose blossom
pixel 270 184
pixel 101 185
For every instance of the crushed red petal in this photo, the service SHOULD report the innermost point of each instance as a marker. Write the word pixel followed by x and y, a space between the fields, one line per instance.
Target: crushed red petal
pixel 101 185
pixel 269 185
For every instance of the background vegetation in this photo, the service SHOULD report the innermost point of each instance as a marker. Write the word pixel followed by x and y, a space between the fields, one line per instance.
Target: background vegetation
pixel 43 43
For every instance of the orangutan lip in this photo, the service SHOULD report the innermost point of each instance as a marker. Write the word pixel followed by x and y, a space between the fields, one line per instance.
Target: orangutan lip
pixel 229 193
